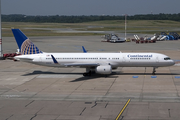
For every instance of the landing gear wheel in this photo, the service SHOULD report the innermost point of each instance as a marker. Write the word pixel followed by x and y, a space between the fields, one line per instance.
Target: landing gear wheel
pixel 84 74
pixel 87 74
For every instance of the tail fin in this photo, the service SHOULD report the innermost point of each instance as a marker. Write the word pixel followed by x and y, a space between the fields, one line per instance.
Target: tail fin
pixel 25 45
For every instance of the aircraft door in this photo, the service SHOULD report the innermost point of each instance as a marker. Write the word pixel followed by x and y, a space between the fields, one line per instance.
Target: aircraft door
pixel 124 59
pixel 38 58
pixel 157 59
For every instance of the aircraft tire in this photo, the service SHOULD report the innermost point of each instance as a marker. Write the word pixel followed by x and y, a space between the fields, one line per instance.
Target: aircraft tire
pixel 84 74
pixel 87 74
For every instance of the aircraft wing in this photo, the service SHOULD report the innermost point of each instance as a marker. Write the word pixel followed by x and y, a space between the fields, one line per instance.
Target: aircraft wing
pixel 82 64
pixel 76 64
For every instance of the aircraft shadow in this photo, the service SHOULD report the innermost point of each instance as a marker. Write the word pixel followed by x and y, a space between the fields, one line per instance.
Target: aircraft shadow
pixel 114 75
pixel 95 76
pixel 149 74
pixel 52 73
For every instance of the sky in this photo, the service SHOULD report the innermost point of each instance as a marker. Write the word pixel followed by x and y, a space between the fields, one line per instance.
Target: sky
pixel 89 7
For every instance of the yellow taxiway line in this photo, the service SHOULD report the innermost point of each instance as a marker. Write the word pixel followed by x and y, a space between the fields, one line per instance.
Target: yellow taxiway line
pixel 117 118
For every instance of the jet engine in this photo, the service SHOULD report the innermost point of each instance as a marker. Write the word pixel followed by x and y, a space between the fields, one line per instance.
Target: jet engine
pixel 104 69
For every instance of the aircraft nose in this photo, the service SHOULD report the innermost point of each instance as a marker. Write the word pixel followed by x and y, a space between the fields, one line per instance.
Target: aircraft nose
pixel 173 62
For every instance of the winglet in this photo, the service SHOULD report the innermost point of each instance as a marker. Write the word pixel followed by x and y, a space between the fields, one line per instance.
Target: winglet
pixel 84 50
pixel 54 60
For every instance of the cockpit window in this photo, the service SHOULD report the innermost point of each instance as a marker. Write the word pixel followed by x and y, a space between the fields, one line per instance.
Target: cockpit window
pixel 167 58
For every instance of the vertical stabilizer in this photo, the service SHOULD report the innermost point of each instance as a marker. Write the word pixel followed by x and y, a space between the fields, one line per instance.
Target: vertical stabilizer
pixel 25 45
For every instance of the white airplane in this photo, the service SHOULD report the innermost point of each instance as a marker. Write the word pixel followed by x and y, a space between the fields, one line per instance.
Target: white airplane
pixel 101 63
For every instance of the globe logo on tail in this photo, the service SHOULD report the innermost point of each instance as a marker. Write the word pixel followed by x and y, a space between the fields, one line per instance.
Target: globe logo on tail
pixel 29 48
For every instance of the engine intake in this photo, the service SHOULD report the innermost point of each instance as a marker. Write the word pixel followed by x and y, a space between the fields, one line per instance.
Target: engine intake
pixel 104 69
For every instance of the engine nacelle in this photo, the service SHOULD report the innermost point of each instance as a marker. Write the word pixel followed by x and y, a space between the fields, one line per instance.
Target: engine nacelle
pixel 104 69
pixel 114 68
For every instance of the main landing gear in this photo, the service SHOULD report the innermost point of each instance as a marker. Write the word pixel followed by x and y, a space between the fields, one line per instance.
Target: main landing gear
pixel 154 70
pixel 87 74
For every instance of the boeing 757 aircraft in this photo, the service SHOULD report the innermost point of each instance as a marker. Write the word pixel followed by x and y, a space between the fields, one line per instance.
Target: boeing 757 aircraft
pixel 101 63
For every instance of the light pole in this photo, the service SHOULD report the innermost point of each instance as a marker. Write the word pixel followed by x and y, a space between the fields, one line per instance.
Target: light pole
pixel 125 25
pixel 1 55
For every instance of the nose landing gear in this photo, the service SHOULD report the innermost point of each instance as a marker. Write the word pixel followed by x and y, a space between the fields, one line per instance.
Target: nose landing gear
pixel 154 70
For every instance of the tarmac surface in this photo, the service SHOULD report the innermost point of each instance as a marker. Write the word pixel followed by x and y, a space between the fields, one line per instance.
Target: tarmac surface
pixel 32 92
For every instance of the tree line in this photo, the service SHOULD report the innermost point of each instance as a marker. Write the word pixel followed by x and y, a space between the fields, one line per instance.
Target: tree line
pixel 83 18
